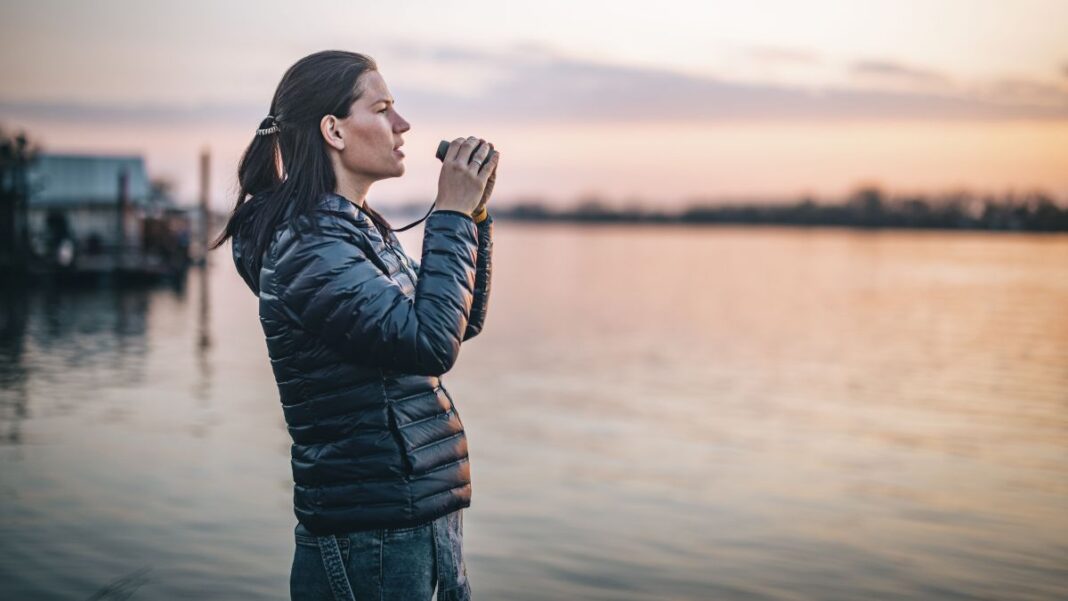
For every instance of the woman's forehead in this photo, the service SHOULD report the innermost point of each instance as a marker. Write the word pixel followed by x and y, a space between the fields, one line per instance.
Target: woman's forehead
pixel 374 88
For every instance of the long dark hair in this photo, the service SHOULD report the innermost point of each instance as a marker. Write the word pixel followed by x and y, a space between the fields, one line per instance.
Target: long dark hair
pixel 283 175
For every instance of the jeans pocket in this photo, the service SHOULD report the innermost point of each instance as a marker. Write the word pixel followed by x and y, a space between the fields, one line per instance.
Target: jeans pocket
pixel 408 562
pixel 452 569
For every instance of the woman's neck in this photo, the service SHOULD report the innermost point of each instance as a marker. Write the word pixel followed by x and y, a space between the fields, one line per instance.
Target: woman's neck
pixel 353 188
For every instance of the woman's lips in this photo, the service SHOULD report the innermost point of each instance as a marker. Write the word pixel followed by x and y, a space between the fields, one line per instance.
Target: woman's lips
pixel 398 152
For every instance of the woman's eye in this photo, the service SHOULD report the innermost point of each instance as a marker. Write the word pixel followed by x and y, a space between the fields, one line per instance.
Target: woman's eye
pixel 383 110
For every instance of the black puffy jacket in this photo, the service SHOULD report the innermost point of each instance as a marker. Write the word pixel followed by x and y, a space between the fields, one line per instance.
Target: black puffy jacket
pixel 358 336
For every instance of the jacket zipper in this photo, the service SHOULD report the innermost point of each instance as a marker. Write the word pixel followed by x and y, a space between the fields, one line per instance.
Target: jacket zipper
pixel 403 260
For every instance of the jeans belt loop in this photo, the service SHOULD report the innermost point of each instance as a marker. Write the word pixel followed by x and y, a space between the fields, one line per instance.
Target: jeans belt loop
pixel 335 568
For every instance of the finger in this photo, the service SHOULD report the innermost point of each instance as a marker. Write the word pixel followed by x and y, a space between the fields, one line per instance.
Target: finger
pixel 490 166
pixel 466 149
pixel 479 156
pixel 454 149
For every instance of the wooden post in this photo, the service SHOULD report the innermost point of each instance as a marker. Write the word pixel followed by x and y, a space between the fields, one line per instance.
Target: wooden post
pixel 204 321
pixel 205 212
pixel 120 230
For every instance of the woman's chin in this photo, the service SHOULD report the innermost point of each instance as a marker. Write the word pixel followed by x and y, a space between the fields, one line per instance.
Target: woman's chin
pixel 395 170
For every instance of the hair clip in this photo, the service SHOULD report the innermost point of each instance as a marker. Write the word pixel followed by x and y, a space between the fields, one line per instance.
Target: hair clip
pixel 269 125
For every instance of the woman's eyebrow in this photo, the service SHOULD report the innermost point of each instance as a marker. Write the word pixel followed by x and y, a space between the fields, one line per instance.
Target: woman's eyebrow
pixel 389 100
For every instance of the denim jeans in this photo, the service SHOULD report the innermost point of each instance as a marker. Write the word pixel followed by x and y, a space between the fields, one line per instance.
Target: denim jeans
pixel 382 565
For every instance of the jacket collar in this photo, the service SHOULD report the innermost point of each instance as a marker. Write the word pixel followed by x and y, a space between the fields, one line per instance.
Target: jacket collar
pixel 340 204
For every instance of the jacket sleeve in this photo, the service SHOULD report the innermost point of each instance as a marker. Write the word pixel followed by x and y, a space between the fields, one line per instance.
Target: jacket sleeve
pixel 334 290
pixel 483 271
pixel 484 268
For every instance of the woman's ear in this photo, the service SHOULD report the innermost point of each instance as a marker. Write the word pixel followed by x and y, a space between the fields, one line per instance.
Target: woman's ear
pixel 328 125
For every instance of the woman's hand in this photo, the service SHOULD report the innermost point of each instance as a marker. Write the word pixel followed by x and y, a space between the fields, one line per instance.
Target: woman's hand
pixel 489 186
pixel 463 184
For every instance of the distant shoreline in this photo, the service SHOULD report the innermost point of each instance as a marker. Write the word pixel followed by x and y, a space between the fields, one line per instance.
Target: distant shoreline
pixel 865 209
pixel 506 216
pixel 510 215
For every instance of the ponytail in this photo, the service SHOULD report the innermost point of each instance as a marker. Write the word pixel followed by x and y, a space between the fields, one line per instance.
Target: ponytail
pixel 285 170
pixel 257 175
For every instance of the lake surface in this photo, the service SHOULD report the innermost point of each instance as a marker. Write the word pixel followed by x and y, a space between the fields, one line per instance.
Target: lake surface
pixel 652 413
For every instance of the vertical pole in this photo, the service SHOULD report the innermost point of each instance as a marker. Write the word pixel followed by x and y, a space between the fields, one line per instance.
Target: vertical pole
pixel 22 212
pixel 205 213
pixel 120 230
pixel 204 328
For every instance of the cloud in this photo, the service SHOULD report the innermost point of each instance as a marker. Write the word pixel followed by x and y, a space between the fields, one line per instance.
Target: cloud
pixel 534 85
pixel 1027 90
pixel 897 71
pixel 520 51
pixel 436 54
pixel 107 114
pixel 579 90
pixel 773 54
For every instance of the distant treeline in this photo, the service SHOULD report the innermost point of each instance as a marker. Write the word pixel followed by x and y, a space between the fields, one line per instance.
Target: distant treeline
pixel 867 207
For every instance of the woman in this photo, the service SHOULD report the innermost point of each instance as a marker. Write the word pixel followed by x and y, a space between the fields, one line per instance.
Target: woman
pixel 359 334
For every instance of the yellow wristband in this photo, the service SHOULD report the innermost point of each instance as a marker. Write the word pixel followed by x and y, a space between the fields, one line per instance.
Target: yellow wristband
pixel 480 216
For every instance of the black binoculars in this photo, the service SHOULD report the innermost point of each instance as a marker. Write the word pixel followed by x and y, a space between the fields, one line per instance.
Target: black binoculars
pixel 443 147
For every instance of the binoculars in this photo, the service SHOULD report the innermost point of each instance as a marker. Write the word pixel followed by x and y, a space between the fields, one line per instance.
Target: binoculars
pixel 443 147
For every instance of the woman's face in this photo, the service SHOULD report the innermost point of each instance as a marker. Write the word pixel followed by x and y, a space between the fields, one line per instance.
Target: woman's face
pixel 372 132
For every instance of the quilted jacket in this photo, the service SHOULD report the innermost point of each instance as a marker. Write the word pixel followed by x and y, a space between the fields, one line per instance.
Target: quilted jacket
pixel 359 335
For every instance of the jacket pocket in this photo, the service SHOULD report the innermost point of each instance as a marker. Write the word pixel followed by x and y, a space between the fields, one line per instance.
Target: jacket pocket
pixel 428 429
pixel 395 432
pixel 453 406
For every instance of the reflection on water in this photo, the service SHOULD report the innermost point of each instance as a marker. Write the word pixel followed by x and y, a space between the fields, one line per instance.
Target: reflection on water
pixel 653 413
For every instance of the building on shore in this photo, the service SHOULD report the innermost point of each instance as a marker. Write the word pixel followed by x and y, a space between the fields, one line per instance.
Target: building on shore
pixel 92 214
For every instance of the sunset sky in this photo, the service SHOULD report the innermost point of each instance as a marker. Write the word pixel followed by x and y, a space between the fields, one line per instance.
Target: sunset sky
pixel 638 103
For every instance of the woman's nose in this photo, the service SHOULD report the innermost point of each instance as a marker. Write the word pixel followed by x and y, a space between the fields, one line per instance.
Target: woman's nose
pixel 401 125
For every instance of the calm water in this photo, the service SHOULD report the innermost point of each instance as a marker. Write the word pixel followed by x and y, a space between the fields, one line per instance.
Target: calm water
pixel 653 413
